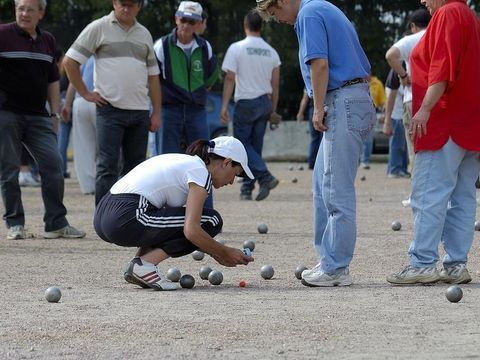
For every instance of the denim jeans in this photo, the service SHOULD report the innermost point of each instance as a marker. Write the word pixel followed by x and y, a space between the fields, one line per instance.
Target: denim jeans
pixel 118 132
pixel 180 122
pixel 63 135
pixel 350 119
pixel 36 133
pixel 367 148
pixel 397 149
pixel 183 123
pixel 250 119
pixel 315 140
pixel 443 176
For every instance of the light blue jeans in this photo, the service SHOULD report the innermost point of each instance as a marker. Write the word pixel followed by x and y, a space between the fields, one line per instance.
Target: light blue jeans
pixel 448 174
pixel 350 119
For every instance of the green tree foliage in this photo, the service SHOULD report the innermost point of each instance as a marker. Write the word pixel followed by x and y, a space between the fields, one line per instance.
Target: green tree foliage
pixel 379 23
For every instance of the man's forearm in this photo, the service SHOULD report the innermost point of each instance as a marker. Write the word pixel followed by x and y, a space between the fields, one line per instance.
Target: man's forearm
pixel 53 97
pixel 155 92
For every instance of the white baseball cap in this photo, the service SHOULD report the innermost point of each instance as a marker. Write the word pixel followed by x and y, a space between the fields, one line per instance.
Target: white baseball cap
pixel 229 147
pixel 190 9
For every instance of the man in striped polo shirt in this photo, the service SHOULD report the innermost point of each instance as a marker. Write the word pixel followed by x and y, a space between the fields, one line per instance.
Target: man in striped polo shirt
pixel 126 74
pixel 28 77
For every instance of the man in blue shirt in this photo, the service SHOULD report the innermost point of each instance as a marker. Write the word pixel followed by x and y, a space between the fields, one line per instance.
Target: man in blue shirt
pixel 334 68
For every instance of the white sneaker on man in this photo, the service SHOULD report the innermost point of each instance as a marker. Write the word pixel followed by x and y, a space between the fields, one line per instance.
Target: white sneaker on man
pixel 26 179
pixel 67 232
pixel 317 277
pixel 410 275
pixel 16 232
pixel 457 274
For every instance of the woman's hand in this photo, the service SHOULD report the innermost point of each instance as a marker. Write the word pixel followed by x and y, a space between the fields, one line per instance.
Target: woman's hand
pixel 231 257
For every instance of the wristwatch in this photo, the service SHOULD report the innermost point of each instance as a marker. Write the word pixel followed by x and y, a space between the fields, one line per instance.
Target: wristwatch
pixel 55 115
pixel 404 76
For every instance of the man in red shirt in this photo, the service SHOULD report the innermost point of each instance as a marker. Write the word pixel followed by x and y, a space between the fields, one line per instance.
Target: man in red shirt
pixel 445 128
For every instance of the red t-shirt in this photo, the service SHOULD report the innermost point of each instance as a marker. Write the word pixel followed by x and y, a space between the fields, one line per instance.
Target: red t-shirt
pixel 449 51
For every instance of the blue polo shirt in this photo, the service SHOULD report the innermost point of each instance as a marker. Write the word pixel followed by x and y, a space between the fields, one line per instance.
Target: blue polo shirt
pixel 27 66
pixel 324 32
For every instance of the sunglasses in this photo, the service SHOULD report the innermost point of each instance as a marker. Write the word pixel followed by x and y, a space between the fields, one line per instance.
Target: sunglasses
pixel 188 21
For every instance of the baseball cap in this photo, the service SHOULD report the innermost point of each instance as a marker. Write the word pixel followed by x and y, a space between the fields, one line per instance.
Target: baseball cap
pixel 229 147
pixel 190 9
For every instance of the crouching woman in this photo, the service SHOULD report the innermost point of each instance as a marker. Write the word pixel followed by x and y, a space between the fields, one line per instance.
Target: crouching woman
pixel 158 207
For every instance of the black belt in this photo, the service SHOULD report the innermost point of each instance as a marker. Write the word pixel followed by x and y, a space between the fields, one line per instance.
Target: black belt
pixel 351 82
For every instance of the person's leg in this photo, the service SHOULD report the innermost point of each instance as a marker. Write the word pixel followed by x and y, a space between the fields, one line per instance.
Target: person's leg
pixel 315 140
pixel 172 128
pixel 458 231
pixel 407 118
pixel 63 138
pixel 42 143
pixel 397 146
pixel 367 150
pixel 84 146
pixel 196 127
pixel 11 128
pixel 434 182
pixel 135 139
pixel 110 126
pixel 349 123
pixel 242 130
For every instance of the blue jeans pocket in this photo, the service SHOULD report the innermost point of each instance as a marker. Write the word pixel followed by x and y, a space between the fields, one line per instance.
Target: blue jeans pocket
pixel 360 116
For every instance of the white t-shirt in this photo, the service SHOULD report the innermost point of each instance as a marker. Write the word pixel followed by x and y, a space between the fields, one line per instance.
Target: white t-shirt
pixel 252 60
pixel 406 45
pixel 164 179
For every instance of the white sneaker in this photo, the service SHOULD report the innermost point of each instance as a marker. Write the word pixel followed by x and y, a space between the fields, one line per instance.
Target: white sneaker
pixel 309 272
pixel 410 275
pixel 67 232
pixel 406 202
pixel 16 232
pixel 457 274
pixel 365 166
pixel 149 275
pixel 25 178
pixel 318 277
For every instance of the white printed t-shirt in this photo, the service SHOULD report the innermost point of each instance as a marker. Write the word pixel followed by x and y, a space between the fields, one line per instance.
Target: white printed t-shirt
pixel 164 179
pixel 405 45
pixel 252 60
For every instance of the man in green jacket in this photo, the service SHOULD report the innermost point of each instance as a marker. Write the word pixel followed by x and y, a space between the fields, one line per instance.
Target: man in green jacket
pixel 188 68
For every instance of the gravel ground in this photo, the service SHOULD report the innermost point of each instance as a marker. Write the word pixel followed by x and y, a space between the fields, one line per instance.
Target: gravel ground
pixel 101 317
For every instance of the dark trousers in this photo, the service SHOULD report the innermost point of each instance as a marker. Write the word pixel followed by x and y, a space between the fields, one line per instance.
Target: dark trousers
pixel 119 132
pixel 249 124
pixel 131 220
pixel 36 133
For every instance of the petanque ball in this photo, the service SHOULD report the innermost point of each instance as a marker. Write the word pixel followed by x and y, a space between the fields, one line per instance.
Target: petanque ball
pixel 363 178
pixel 198 255
pixel 299 270
pixel 267 272
pixel 262 228
pixel 454 294
pixel 204 271
pixel 249 244
pixel 290 168
pixel 396 225
pixel 53 294
pixel 215 277
pixel 300 168
pixel 187 281
pixel 294 180
pixel 477 225
pixel 173 274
